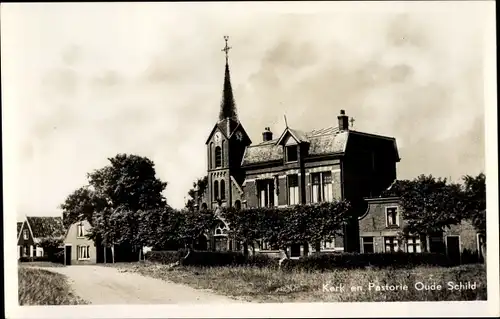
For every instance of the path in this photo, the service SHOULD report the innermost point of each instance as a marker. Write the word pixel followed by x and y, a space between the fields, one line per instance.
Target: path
pixel 106 285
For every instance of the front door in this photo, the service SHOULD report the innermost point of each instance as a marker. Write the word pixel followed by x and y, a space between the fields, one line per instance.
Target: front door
pixel 453 249
pixel 67 255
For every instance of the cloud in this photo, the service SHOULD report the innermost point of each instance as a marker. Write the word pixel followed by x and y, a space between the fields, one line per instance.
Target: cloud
pixel 154 88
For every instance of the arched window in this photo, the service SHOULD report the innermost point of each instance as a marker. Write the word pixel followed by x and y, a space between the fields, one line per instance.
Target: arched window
pixel 204 206
pixel 237 204
pixel 222 190
pixel 216 190
pixel 222 154
pixel 211 156
pixel 218 157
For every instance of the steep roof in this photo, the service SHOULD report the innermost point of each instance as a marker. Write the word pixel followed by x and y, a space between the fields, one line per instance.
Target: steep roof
pixel 43 227
pixel 324 141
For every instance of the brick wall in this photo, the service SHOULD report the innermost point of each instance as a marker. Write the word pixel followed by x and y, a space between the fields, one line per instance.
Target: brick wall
pixel 467 233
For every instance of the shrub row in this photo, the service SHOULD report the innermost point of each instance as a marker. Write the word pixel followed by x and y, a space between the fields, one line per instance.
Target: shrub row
pixel 209 258
pixel 357 260
pixel 31 259
pixel 165 256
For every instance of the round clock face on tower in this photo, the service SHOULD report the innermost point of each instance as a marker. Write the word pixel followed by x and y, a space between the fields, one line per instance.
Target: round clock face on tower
pixel 217 137
pixel 239 136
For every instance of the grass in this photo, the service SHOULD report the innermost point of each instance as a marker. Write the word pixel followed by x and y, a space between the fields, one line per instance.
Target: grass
pixel 42 287
pixel 273 285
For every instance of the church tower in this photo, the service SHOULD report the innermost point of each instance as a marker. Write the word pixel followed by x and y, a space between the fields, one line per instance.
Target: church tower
pixel 225 148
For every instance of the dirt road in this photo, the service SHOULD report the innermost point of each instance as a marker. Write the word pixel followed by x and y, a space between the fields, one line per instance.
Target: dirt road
pixel 106 285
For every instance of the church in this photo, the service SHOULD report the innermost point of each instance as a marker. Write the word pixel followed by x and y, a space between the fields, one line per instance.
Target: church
pixel 295 167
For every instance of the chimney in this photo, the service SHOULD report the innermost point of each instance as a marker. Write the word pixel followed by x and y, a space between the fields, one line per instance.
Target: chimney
pixel 267 135
pixel 343 121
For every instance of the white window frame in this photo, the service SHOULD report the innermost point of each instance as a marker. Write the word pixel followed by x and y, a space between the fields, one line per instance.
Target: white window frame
pixel 25 234
pixel 372 242
pixel 396 246
pixel 328 244
pixel 296 191
pixel 83 250
pixel 78 227
pixel 321 191
pixel 266 194
pixel 387 219
pixel 417 244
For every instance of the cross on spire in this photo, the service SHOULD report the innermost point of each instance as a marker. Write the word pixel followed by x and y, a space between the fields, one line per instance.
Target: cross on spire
pixel 352 121
pixel 226 48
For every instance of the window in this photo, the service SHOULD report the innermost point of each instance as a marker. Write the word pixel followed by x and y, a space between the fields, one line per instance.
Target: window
pixel 322 190
pixel 293 190
pixel 413 245
pixel 392 218
pixel 237 204
pixel 266 193
pixel 291 153
pixel 210 155
pixel 80 233
pixel 25 251
pixel 25 234
pixel 328 244
pixel 216 190
pixel 222 190
pixel 391 244
pixel 218 157
pixel 367 244
pixel 83 252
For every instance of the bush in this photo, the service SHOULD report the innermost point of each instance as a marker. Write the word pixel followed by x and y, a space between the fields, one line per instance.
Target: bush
pixel 166 256
pixel 31 259
pixel 210 258
pixel 357 260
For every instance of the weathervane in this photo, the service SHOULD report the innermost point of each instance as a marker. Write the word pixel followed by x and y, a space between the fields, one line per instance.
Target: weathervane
pixel 226 48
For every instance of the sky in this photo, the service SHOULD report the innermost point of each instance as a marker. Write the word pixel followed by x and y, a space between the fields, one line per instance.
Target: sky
pixel 83 82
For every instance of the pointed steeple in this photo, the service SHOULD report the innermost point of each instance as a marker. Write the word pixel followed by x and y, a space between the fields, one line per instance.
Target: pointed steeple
pixel 227 105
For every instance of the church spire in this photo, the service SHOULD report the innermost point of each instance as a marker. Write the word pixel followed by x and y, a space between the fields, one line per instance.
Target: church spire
pixel 227 106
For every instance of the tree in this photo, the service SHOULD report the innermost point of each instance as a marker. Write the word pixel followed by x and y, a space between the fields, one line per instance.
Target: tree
pixel 129 182
pixel 81 204
pixel 117 198
pixel 283 227
pixel 428 204
pixel 475 196
pixel 194 224
pixel 197 192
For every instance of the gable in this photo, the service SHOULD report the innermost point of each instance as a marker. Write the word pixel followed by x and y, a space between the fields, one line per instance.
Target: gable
pixel 72 233
pixel 20 238
pixel 290 141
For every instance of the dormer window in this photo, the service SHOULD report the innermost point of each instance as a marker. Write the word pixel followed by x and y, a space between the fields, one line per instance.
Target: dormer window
pixel 291 153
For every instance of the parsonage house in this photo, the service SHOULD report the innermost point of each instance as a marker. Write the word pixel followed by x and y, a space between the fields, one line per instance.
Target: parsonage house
pixel 33 230
pixel 382 223
pixel 295 167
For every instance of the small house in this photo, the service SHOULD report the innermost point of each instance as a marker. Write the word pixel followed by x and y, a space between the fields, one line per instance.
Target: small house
pixel 33 231
pixel 381 226
pixel 78 249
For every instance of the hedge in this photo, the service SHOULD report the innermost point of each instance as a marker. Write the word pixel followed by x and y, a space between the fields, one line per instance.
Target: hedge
pixel 166 256
pixel 210 258
pixel 37 258
pixel 357 260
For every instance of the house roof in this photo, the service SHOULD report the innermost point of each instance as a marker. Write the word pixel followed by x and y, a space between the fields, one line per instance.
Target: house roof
pixel 19 226
pixel 43 227
pixel 324 141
